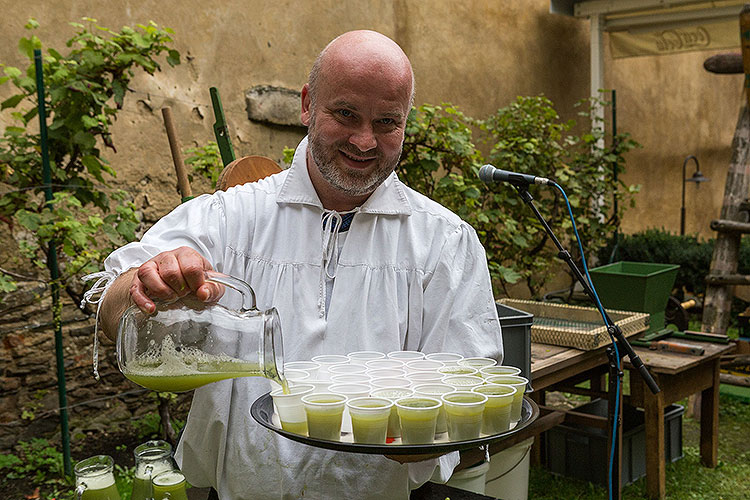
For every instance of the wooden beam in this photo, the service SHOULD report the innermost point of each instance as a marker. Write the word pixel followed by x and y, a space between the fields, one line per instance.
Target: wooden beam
pixel 728 279
pixel 729 63
pixel 730 226
pixel 728 378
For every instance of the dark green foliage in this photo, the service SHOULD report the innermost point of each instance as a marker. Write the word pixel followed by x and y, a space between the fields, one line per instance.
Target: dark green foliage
pixel 660 246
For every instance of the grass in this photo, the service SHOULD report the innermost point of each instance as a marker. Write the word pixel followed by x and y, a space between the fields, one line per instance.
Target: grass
pixel 686 478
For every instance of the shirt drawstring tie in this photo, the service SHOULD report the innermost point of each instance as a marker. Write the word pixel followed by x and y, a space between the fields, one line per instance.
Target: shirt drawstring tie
pixel 103 280
pixel 330 237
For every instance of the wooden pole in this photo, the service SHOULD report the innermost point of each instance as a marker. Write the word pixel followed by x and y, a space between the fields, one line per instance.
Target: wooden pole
pixel 183 184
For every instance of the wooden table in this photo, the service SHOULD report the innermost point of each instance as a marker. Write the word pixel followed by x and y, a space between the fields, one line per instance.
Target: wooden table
pixel 678 376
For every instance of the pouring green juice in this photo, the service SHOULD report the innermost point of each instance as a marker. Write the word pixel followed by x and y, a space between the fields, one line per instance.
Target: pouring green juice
pixel 167 369
pixel 185 343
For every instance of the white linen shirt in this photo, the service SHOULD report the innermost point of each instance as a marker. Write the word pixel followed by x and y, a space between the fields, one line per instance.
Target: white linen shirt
pixel 410 275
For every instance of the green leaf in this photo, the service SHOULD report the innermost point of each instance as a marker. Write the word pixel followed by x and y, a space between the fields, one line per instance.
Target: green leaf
pixel 12 102
pixel 93 166
pixel 12 72
pixel 89 122
pixel 29 220
pixel 173 58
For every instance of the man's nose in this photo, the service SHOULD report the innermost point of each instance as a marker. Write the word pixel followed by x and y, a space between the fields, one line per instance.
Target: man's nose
pixel 363 138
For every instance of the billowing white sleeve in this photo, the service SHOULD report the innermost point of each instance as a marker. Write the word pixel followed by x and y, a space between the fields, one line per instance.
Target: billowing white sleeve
pixel 459 312
pixel 199 224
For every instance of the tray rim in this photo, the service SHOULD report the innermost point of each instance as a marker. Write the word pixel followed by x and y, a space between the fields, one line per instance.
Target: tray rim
pixel 529 413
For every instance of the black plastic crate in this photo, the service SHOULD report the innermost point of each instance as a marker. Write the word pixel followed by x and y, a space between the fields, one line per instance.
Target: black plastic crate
pixel 516 326
pixel 581 452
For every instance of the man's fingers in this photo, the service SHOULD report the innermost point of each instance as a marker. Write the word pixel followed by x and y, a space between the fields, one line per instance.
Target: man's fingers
pixel 153 285
pixel 170 271
pixel 139 296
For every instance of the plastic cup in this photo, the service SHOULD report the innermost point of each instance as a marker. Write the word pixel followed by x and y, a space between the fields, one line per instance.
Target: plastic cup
pixel 489 371
pixel 496 417
pixel 477 362
pixel 520 384
pixel 423 365
pixel 392 394
pixel 310 367
pixel 293 377
pixel 458 370
pixel 463 412
pixel 350 378
pixel 361 357
pixel 447 358
pixel 369 419
pixel 320 385
pixel 169 485
pixel 424 377
pixel 378 383
pixel 463 382
pixel 418 416
pixel 324 413
pixel 405 355
pixel 290 409
pixel 351 391
pixel 386 372
pixel 326 361
pixel 375 364
pixel 435 390
pixel 346 369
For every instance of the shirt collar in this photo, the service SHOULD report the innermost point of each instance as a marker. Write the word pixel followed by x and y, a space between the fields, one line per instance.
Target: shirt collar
pixel 389 198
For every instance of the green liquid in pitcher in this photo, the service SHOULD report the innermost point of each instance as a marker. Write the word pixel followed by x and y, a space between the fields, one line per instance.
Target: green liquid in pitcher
pixel 108 493
pixel 166 369
pixel 141 489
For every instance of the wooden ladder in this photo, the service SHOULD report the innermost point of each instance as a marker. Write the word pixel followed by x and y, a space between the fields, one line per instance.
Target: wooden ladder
pixel 734 221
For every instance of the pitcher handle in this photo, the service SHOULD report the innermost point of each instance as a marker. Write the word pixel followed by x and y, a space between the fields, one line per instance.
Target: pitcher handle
pixel 80 490
pixel 248 295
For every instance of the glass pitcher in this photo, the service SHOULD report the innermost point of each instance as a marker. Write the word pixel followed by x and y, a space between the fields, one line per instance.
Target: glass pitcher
pixel 151 458
pixel 170 485
pixel 95 479
pixel 186 343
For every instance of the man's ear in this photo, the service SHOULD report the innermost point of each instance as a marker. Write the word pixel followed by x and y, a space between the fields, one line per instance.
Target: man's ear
pixel 305 114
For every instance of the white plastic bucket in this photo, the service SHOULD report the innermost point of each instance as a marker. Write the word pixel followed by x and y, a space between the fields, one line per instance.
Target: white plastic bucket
pixel 508 475
pixel 471 478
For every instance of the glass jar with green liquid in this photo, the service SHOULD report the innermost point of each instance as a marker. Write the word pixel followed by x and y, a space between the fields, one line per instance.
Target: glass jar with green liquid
pixel 187 343
pixel 151 458
pixel 95 479
pixel 170 485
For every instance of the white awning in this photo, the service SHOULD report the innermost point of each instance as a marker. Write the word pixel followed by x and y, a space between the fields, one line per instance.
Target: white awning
pixel 653 27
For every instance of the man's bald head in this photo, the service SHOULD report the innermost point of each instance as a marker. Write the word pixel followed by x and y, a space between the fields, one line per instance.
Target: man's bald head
pixel 356 49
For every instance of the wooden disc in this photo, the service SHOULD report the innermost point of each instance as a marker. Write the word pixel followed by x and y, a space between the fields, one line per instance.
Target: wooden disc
pixel 246 169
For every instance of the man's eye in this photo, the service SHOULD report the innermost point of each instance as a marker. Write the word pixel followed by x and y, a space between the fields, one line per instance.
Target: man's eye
pixel 387 121
pixel 345 113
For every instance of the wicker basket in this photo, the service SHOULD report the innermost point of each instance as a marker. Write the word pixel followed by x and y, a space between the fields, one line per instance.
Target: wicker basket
pixel 575 326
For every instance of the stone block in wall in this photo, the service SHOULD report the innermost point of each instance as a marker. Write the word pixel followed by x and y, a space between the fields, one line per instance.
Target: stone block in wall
pixel 273 105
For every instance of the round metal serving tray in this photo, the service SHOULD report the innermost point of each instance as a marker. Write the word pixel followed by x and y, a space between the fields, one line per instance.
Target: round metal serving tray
pixel 262 411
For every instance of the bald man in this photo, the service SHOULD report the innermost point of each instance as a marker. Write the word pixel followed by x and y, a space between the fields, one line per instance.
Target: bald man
pixel 351 258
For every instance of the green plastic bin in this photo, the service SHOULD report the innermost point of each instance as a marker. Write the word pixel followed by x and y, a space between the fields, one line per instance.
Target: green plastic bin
pixel 636 286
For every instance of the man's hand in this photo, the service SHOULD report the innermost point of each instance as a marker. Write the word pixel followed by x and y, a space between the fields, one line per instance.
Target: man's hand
pixel 172 274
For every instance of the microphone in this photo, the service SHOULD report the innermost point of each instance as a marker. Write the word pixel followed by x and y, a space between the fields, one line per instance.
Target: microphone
pixel 489 174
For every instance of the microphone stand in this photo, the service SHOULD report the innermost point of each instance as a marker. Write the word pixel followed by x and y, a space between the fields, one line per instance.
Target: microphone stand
pixel 624 347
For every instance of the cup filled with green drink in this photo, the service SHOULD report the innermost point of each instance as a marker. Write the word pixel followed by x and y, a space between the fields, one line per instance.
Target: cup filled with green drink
pixel 392 394
pixel 324 413
pixel 435 390
pixel 290 409
pixel 489 371
pixel 369 419
pixel 463 412
pixel 418 416
pixel 95 479
pixel 496 417
pixel 520 384
pixel 169 485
